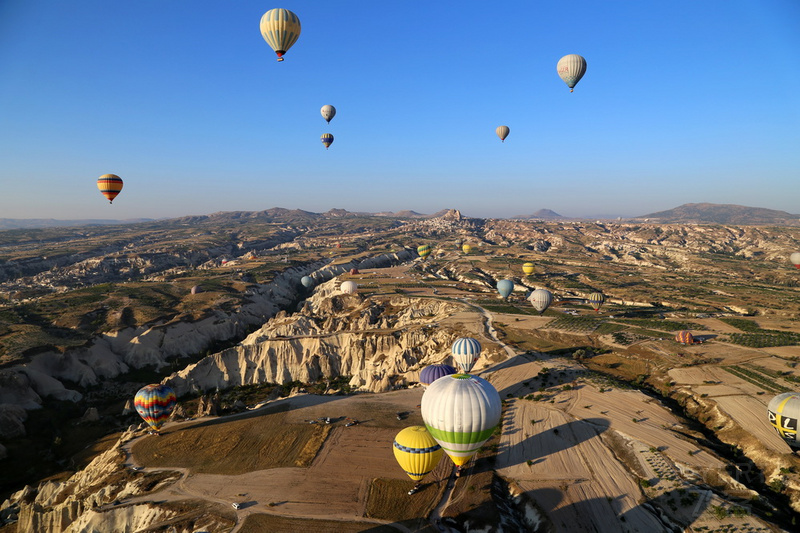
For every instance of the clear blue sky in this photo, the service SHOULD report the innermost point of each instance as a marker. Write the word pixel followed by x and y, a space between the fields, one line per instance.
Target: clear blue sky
pixel 683 101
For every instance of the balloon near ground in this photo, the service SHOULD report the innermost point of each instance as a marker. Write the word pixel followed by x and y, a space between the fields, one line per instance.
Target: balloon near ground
pixel 596 300
pixel 684 337
pixel 424 250
pixel 349 287
pixel 280 28
pixel 505 287
pixel 197 289
pixel 541 299
pixel 571 69
pixel 502 132
pixel 431 373
pixel 155 403
pixel 307 282
pixel 795 259
pixel 328 112
pixel 327 139
pixel 783 412
pixel 110 185
pixel 461 413
pixel 528 268
pixel 416 452
pixel 466 352
pixel 466 248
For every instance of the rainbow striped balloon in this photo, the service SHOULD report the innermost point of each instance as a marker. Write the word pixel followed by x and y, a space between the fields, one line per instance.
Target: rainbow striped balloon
pixel 424 250
pixel 155 403
pixel 684 337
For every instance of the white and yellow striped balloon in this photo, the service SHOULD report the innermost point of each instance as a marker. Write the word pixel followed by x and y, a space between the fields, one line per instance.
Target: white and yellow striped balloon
pixel 280 28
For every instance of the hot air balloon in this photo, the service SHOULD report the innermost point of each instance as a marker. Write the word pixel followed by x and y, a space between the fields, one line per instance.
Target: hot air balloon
pixel 783 411
pixel 328 112
pixel 505 287
pixel 431 373
pixel 109 185
pixel 795 259
pixel 424 250
pixel 541 299
pixel 461 413
pixel 280 28
pixel 354 271
pixel 571 69
pixel 596 300
pixel 502 132
pixel 197 289
pixel 528 268
pixel 327 139
pixel 417 453
pixel 684 337
pixel 307 282
pixel 154 403
pixel 349 287
pixel 459 242
pixel 466 248
pixel 466 351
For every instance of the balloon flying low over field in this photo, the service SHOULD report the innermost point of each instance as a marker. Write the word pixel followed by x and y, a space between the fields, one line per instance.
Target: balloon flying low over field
pixel 505 287
pixel 466 248
pixel 461 413
pixel 795 259
pixel 416 452
pixel 424 251
pixel 110 185
pixel 280 28
pixel 783 412
pixel 528 268
pixel 596 300
pixel 466 352
pixel 571 69
pixel 155 403
pixel 349 287
pixel 684 337
pixel 307 282
pixel 431 373
pixel 541 299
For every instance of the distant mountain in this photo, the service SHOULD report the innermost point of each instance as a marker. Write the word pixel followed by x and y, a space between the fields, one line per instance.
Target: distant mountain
pixel 706 213
pixel 401 214
pixel 541 213
pixel 34 223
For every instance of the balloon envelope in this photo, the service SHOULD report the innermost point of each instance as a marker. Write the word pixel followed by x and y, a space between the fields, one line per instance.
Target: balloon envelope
pixel 424 250
pixel 571 69
pixel 466 352
pixel 461 413
pixel 197 289
pixel 541 299
pixel 596 300
pixel 349 287
pixel 307 282
pixel 328 112
pixel 466 248
pixel 327 139
pixel 795 259
pixel 280 28
pixel 154 403
pixel 431 373
pixel 783 412
pixel 528 268
pixel 502 132
pixel 110 185
pixel 505 287
pixel 684 337
pixel 416 452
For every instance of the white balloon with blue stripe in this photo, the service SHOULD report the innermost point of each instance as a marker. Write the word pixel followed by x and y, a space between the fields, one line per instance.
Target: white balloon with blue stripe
pixel 466 351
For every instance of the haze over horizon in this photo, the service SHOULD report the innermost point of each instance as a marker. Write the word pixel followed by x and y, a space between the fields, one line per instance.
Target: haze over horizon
pixel 681 103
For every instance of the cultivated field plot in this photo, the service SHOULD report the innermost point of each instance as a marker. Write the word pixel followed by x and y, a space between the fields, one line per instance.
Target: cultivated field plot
pixel 260 523
pixel 257 441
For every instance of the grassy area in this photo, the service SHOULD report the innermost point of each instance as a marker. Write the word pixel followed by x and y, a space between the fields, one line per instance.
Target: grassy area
pixel 389 500
pixel 259 523
pixel 229 446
